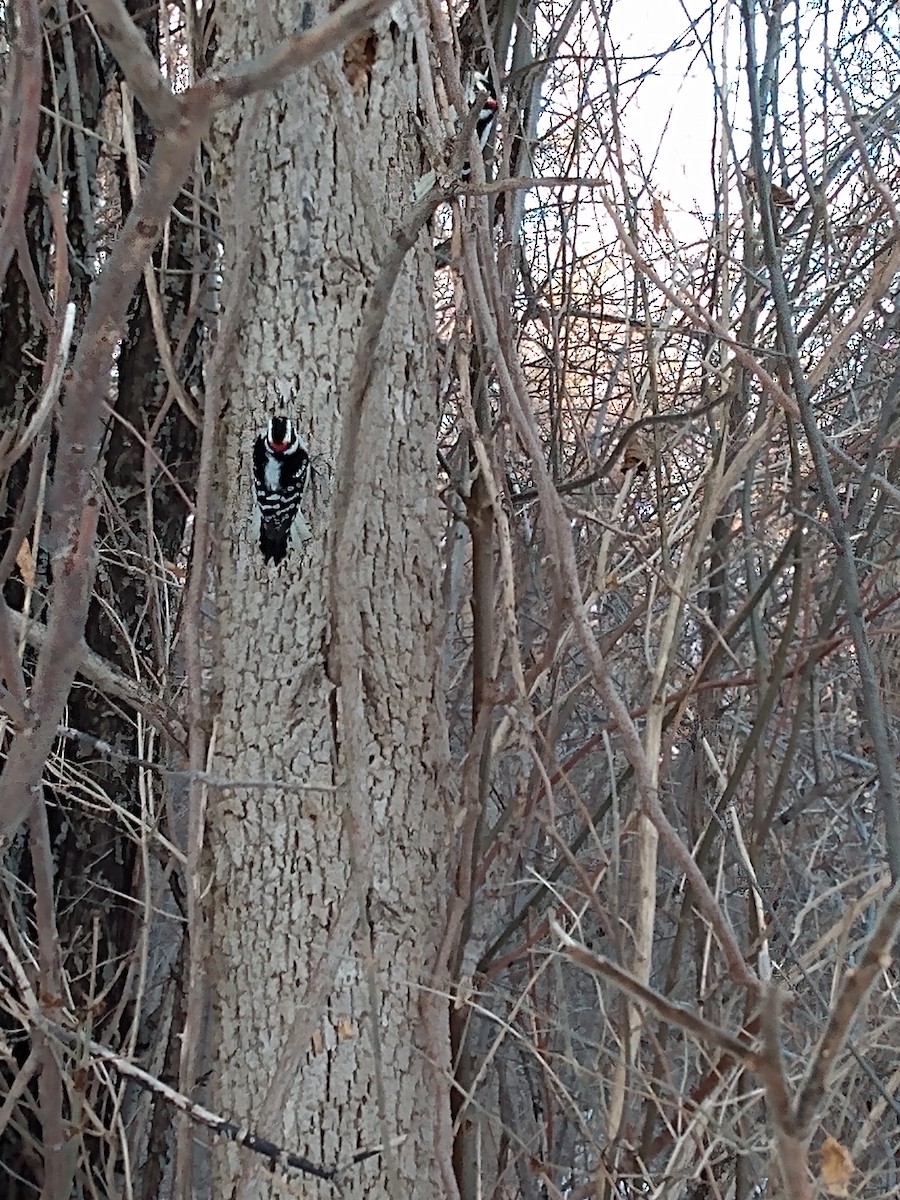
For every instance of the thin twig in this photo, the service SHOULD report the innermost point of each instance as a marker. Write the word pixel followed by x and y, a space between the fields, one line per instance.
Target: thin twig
pixel 675 1014
pixel 105 677
pixel 220 1126
pixel 512 382
pixel 846 566
pixel 854 986
pixel 50 394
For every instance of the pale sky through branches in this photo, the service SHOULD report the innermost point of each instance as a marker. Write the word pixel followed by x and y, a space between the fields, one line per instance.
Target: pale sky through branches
pixel 670 122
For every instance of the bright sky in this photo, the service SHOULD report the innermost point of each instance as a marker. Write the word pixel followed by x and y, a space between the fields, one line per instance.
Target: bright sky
pixel 671 121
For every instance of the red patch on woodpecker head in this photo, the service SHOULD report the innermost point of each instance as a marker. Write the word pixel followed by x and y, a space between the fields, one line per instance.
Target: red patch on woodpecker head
pixel 278 447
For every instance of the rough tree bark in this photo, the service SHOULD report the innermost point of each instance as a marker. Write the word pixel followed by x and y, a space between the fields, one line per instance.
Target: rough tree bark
pixel 325 894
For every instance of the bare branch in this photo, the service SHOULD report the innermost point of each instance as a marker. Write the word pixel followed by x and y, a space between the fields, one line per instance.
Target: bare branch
pixel 855 985
pixel 276 65
pixel 138 65
pixel 105 677
pixel 220 1126
pixel 846 565
pixel 27 71
pixel 676 1014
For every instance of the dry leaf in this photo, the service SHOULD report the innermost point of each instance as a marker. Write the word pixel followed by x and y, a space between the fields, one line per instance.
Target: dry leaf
pixel 318 1042
pixel 25 563
pixel 346 1028
pixel 837 1167
pixel 636 455
pixel 659 215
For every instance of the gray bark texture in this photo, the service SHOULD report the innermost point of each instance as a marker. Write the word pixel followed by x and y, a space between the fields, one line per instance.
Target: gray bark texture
pixel 324 907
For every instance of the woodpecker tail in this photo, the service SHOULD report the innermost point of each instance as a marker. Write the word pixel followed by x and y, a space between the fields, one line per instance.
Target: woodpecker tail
pixel 273 541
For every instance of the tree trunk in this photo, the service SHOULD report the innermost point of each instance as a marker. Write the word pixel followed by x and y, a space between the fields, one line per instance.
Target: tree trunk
pixel 326 892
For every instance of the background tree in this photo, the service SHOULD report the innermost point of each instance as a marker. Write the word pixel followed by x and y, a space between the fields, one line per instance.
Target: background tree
pixel 541 810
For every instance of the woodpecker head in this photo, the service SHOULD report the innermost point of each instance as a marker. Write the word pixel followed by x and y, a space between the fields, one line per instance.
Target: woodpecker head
pixel 281 436
pixel 480 82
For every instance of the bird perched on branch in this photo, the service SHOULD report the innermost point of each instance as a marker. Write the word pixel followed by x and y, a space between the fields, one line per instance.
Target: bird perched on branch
pixel 780 196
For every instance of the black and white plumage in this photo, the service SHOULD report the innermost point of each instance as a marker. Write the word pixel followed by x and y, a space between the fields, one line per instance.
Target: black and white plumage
pixel 280 476
pixel 480 85
pixel 477 87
